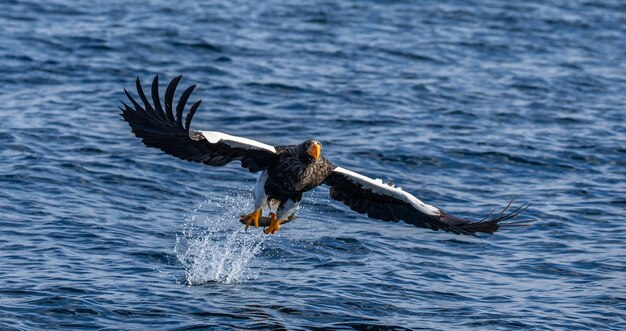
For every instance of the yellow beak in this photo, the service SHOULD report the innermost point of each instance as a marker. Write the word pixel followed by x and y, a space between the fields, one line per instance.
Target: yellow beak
pixel 315 150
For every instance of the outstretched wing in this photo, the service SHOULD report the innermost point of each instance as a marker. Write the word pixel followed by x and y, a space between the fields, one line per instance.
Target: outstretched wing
pixel 165 130
pixel 390 203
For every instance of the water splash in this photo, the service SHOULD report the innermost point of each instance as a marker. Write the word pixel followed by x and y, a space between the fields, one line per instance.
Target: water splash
pixel 215 248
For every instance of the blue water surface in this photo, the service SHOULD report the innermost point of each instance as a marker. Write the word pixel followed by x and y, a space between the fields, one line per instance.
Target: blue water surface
pixel 466 104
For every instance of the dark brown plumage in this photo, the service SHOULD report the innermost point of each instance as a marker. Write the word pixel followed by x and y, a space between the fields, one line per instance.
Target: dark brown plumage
pixel 159 129
pixel 295 172
pixel 286 171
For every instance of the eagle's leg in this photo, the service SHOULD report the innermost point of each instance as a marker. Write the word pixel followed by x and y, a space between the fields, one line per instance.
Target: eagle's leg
pixel 274 224
pixel 252 218
pixel 286 213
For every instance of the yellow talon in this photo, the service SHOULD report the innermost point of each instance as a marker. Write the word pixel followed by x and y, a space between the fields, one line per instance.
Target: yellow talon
pixel 274 225
pixel 253 217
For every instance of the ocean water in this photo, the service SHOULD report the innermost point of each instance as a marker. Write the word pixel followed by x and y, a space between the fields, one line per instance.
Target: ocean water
pixel 466 104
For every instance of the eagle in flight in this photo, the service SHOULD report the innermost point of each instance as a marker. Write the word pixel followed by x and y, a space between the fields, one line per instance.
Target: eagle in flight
pixel 286 172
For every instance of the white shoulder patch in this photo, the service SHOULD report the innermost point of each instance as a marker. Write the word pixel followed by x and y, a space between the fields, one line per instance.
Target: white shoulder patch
pixel 214 137
pixel 377 185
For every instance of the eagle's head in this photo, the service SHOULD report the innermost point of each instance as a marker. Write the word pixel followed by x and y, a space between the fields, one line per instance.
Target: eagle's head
pixel 310 150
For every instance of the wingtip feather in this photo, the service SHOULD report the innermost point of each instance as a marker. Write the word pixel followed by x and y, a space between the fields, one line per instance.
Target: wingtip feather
pixel 182 101
pixel 169 97
pixel 490 224
pixel 192 112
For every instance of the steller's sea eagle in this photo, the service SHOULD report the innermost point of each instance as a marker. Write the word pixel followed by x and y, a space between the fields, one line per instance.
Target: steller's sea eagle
pixel 286 172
